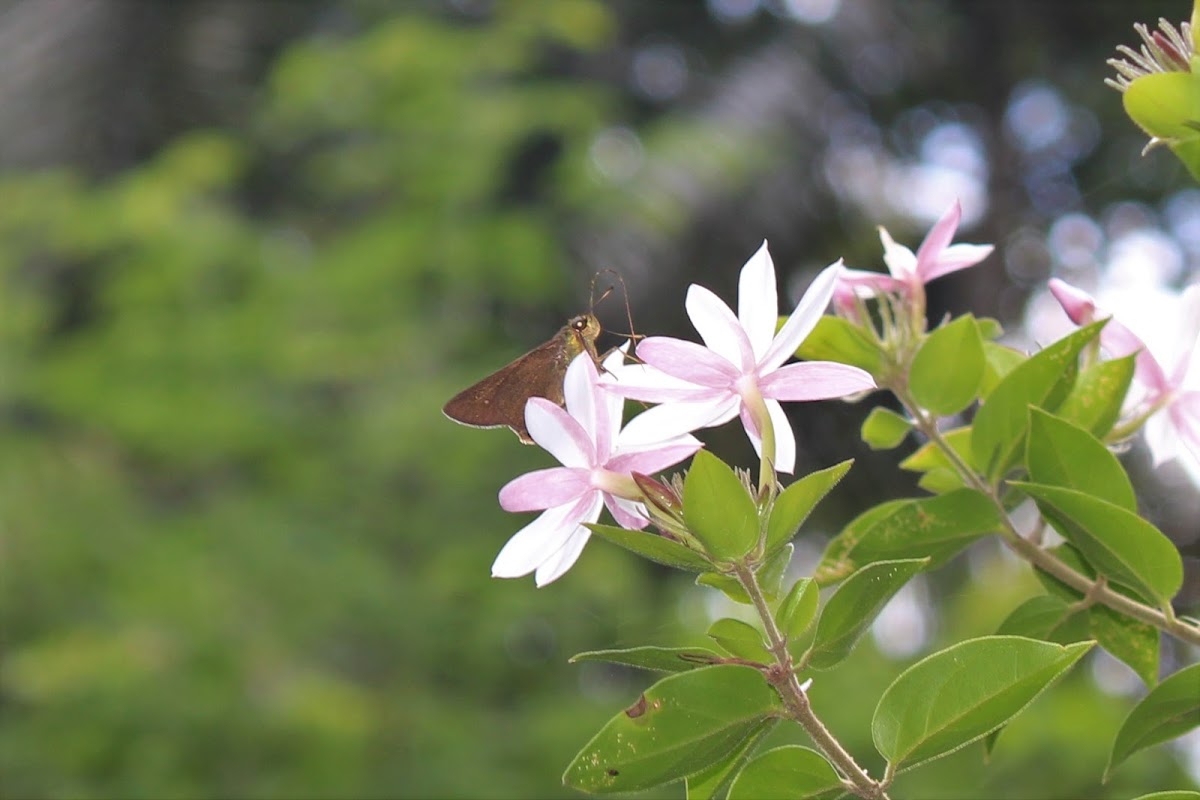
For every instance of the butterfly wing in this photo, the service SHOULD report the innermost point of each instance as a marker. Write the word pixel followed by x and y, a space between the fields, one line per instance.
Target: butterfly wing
pixel 499 399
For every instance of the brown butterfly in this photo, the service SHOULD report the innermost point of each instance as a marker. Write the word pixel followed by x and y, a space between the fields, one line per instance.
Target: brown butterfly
pixel 499 399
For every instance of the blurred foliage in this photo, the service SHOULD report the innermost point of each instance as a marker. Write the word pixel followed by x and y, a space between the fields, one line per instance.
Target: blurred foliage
pixel 241 553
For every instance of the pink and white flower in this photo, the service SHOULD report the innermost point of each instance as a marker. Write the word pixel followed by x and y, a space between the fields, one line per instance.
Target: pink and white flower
pixel 740 371
pixel 1167 374
pixel 908 272
pixel 597 458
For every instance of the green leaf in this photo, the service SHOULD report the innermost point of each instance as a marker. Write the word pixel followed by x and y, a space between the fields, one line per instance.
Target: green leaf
pixel 1058 453
pixel 884 429
pixel 740 640
pixel 1096 399
pixel 989 328
pixel 680 725
pixel 1045 617
pixel 959 695
pixel 940 474
pixel 728 584
pixel 799 608
pixel 662 659
pixel 934 527
pixel 1171 709
pixel 1067 554
pixel 1116 541
pixel 838 339
pixel 717 508
pixel 999 360
pixel 713 781
pixel 851 609
pixel 794 503
pixel 1136 643
pixel 1167 106
pixel 1170 794
pixel 1043 380
pixel 948 367
pixel 657 548
pixel 790 772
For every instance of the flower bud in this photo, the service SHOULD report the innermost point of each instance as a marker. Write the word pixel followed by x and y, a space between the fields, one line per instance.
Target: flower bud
pixel 661 501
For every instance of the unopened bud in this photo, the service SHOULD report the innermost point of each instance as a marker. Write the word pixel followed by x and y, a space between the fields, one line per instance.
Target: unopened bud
pixel 661 501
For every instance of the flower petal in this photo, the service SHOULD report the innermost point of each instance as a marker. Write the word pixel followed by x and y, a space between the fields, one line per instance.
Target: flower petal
pixel 557 565
pixel 956 257
pixel 785 439
pixel 866 284
pixel 656 459
pixel 718 327
pixel 1079 306
pixel 628 513
pixel 758 301
pixel 544 488
pixel 644 382
pixel 815 380
pixel 800 324
pixel 558 433
pixel 901 261
pixel 539 540
pixel 1187 364
pixel 937 240
pixel 674 419
pixel 688 361
pixel 579 391
pixel 1161 438
pixel 614 404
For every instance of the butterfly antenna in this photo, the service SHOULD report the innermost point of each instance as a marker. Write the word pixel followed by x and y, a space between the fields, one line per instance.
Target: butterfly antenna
pixel 632 335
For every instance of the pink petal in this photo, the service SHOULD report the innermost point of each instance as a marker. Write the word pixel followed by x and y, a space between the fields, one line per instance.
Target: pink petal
pixel 688 361
pixel 1079 306
pixel 542 538
pixel 954 258
pixel 627 513
pixel 785 439
pixel 937 240
pixel 806 316
pixel 657 459
pixel 758 302
pixel 557 565
pixel 644 382
pixel 580 392
pixel 815 380
pixel 1161 438
pixel 1189 336
pixel 1185 413
pixel 1119 341
pixel 558 433
pixel 545 488
pixel 675 419
pixel 863 283
pixel 899 259
pixel 718 327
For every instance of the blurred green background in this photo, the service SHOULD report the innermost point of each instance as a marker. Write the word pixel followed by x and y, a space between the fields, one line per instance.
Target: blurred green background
pixel 248 249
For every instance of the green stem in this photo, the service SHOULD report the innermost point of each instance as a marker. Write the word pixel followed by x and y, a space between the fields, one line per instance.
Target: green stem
pixel 1047 562
pixel 784 679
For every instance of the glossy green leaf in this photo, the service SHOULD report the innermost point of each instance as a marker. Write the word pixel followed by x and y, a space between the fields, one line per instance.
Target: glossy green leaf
pixel 838 339
pixel 1058 453
pixel 740 639
pixel 799 608
pixel 717 508
pixel 934 527
pixel 999 360
pixel 657 548
pixel 1136 643
pixel 884 429
pixel 1116 541
pixel 1171 709
pixel 854 606
pixel 959 695
pixel 1042 380
pixel 714 780
pixel 679 726
pixel 770 574
pixel 661 659
pixel 790 772
pixel 948 368
pixel 1096 399
pixel 796 502
pixel 1045 617
pixel 940 475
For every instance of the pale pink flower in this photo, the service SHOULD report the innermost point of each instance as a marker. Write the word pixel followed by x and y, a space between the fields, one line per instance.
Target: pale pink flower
pixel 907 271
pixel 1170 385
pixel 740 371
pixel 597 458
